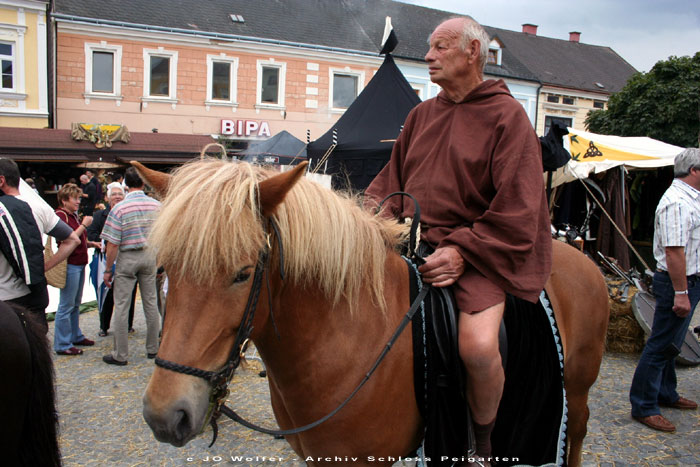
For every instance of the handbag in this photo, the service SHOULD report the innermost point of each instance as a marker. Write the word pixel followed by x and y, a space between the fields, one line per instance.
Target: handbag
pixel 56 276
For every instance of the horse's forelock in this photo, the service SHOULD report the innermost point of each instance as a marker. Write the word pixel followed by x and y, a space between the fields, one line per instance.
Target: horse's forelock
pixel 208 221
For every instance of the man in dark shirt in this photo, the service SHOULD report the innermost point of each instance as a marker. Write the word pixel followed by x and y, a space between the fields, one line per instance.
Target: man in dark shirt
pixel 89 197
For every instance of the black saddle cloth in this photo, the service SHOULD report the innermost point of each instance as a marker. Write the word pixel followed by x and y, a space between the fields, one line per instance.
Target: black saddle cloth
pixel 531 421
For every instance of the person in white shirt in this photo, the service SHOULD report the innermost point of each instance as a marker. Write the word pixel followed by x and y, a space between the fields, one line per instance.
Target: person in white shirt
pixel 677 292
pixel 13 288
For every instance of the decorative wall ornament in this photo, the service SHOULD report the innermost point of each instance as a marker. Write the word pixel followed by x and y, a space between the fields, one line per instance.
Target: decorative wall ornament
pixel 101 136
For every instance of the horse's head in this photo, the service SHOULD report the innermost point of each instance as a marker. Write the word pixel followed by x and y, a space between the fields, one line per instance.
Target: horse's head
pixel 209 236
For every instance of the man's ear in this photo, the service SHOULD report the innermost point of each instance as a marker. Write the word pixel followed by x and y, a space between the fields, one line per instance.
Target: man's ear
pixel 474 50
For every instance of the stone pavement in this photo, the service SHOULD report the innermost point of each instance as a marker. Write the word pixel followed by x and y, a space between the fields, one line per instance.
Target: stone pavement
pixel 101 424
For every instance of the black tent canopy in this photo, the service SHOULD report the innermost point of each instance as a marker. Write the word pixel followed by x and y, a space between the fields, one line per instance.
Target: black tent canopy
pixel 283 148
pixel 367 129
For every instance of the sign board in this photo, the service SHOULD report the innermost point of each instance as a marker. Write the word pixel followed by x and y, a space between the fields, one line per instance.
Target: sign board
pixel 246 128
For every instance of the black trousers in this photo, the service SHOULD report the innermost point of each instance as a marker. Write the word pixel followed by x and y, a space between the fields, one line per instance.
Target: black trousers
pixel 108 308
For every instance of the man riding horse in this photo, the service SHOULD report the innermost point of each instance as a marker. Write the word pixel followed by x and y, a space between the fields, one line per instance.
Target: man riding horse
pixel 472 160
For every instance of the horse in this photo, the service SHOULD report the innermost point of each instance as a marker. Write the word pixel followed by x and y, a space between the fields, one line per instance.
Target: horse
pixel 28 432
pixel 335 288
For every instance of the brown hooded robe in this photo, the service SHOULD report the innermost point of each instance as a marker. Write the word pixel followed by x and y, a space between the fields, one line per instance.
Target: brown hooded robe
pixel 476 170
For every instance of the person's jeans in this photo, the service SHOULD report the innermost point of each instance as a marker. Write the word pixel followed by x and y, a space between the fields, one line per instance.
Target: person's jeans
pixel 66 324
pixel 655 378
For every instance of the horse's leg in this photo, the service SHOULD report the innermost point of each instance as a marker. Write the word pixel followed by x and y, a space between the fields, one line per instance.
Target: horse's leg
pixel 580 302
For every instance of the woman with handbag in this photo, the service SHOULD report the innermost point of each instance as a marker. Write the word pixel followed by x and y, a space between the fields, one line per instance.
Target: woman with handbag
pixel 67 333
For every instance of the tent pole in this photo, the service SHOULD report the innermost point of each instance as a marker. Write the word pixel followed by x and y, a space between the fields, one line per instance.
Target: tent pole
pixel 624 237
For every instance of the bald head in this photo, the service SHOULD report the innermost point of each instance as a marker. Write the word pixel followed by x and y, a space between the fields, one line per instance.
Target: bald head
pixel 467 30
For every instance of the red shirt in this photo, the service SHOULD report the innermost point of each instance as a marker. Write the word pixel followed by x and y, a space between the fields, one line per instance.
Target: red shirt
pixel 79 257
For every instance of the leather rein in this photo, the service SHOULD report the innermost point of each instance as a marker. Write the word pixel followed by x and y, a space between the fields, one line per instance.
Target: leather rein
pixel 220 380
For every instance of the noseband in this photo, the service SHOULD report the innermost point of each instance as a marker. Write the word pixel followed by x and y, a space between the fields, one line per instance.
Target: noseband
pixel 220 380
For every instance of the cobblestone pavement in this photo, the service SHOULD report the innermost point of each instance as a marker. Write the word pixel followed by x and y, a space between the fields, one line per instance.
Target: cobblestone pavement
pixel 101 424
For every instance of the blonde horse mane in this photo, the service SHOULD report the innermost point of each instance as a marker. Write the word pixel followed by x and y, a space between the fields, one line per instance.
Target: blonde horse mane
pixel 210 227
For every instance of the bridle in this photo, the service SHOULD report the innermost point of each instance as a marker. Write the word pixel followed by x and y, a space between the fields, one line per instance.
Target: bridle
pixel 220 380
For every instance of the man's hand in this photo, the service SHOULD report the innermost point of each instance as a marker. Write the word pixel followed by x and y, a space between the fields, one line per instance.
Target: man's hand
pixel 681 305
pixel 443 267
pixel 107 278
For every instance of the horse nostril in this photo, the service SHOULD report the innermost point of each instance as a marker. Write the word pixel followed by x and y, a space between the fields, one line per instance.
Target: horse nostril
pixel 182 425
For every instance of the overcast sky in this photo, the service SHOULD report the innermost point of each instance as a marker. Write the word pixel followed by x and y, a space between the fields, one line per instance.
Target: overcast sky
pixel 640 31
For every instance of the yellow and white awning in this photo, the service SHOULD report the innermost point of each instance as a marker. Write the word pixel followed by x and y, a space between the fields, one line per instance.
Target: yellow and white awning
pixel 597 153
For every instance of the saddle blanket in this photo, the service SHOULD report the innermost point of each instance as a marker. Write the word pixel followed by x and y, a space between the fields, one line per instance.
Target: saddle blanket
pixel 531 422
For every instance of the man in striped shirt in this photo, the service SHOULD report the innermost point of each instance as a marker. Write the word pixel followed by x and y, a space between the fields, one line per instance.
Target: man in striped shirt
pixel 125 234
pixel 677 292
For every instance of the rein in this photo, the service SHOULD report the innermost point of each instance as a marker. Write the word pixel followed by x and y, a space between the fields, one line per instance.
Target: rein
pixel 221 379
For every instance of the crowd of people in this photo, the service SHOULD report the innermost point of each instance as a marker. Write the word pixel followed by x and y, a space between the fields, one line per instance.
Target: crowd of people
pixel 106 215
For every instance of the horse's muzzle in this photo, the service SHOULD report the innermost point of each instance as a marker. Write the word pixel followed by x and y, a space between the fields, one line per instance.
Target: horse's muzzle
pixel 176 425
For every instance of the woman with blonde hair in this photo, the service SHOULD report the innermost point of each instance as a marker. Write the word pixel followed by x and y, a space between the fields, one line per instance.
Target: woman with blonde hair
pixel 67 333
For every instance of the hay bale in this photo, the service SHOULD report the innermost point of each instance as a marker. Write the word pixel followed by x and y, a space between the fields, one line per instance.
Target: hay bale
pixel 624 332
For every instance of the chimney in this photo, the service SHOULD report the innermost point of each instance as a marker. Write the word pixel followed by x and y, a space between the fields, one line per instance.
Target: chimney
pixel 530 29
pixel 574 36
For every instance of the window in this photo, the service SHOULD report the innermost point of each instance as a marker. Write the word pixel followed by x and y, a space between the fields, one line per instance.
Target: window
pixel 270 91
pixel 271 76
pixel 598 104
pixel 7 63
pixel 345 86
pixel 548 120
pixel 160 74
pixel 344 90
pixel 494 55
pixel 552 98
pixel 221 79
pixel 568 100
pixel 103 71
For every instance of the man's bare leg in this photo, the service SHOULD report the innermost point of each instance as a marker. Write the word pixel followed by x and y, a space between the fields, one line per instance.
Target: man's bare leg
pixel 478 348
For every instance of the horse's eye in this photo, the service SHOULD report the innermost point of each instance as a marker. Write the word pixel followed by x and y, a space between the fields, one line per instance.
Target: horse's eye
pixel 243 275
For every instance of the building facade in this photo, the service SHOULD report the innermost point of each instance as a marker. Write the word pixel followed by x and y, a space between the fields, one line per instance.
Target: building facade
pixel 242 70
pixel 24 66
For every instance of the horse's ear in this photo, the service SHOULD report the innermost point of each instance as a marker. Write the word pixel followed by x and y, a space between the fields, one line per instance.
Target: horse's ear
pixel 273 190
pixel 157 180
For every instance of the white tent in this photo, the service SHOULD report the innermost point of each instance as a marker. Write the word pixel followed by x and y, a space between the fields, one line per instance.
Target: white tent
pixel 597 153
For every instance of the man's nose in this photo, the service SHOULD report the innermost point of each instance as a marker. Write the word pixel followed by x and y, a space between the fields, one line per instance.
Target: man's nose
pixel 429 57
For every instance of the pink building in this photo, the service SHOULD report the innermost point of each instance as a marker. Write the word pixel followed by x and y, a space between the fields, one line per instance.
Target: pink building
pixel 160 81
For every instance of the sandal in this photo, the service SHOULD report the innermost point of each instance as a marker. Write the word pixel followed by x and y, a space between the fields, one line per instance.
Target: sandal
pixel 102 333
pixel 85 342
pixel 71 351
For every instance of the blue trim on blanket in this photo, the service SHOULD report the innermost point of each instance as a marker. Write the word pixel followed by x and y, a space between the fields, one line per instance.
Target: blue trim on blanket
pixel 561 454
pixel 419 283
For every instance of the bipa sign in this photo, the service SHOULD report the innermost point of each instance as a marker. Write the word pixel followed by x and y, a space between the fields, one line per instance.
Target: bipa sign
pixel 245 128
